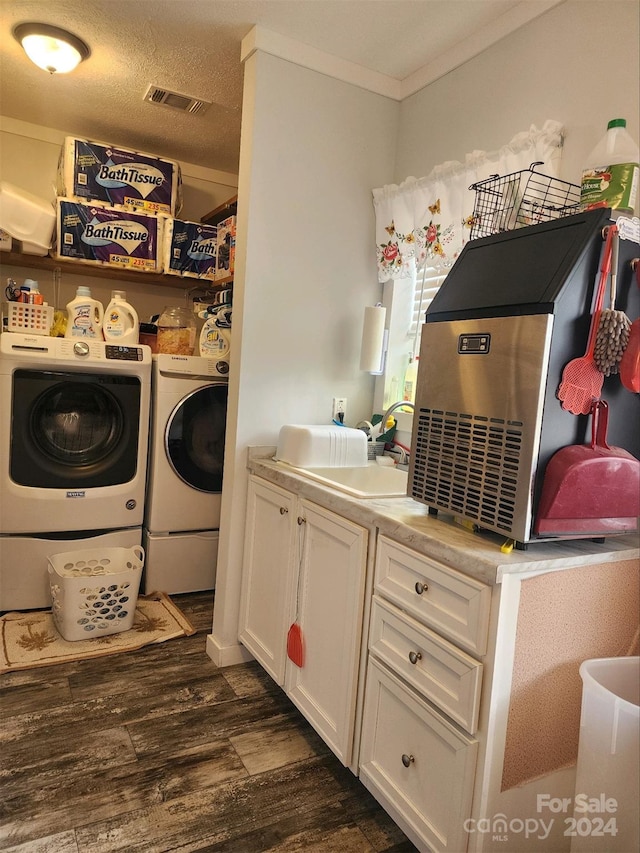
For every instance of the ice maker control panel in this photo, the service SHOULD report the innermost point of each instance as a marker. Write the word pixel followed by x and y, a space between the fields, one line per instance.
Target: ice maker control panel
pixel 474 344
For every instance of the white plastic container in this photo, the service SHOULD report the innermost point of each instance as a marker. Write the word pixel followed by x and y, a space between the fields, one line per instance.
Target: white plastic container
pixel 85 316
pixel 322 446
pixel 608 757
pixel 26 218
pixel 120 324
pixel 610 177
pixel 94 592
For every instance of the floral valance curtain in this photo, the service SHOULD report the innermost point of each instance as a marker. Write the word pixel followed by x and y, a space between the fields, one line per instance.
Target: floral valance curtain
pixel 428 220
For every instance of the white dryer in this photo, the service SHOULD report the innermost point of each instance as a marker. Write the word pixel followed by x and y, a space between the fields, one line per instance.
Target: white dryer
pixel 74 418
pixel 184 484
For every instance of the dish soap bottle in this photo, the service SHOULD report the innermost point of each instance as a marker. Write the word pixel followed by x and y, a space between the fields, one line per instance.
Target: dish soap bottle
pixel 121 324
pixel 410 379
pixel 610 178
pixel 85 316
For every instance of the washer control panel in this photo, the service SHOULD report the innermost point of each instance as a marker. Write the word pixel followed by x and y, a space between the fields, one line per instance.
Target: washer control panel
pixel 122 353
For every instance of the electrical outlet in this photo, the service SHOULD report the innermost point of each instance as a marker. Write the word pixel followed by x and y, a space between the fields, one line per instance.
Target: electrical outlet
pixel 339 408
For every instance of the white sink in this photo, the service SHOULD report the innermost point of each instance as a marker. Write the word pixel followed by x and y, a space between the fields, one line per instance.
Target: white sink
pixel 368 481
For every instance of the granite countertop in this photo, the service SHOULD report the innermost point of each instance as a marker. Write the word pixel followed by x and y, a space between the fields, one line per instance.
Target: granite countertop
pixel 408 522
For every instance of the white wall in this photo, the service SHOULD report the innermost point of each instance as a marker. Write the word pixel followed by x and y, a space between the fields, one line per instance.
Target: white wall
pixel 312 149
pixel 578 64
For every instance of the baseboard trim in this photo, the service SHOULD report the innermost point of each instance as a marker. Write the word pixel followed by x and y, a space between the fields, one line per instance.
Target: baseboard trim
pixel 226 655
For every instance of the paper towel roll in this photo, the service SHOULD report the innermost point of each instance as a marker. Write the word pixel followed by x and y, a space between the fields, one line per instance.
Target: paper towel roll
pixel 373 337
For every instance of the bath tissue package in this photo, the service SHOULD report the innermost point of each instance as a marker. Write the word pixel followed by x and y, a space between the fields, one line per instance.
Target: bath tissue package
pixel 226 247
pixel 121 177
pixel 189 249
pixel 107 236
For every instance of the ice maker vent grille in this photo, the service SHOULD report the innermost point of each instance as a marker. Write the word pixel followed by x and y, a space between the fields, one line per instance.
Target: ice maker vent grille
pixel 468 465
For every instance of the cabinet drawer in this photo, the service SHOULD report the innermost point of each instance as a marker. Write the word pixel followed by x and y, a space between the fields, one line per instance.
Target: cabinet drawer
pixel 449 601
pixel 443 673
pixel 416 762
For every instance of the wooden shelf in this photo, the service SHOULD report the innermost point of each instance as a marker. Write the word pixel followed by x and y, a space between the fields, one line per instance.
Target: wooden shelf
pixel 136 277
pixel 229 208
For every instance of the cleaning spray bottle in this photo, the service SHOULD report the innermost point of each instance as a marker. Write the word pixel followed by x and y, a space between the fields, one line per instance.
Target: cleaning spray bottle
pixel 85 316
pixel 610 178
pixel 121 324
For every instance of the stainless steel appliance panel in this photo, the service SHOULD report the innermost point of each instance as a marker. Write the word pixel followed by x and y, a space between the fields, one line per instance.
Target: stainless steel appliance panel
pixel 479 405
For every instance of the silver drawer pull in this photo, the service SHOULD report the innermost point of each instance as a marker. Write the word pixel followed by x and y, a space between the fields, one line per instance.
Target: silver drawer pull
pixel 283 510
pixel 414 657
pixel 407 760
pixel 421 587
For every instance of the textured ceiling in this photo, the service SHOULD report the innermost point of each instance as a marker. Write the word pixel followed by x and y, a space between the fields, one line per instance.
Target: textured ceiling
pixel 193 47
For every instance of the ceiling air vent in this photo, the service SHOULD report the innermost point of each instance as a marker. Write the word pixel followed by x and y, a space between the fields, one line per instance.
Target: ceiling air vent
pixel 184 103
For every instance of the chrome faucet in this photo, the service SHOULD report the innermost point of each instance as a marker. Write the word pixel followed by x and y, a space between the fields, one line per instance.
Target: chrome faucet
pixel 399 405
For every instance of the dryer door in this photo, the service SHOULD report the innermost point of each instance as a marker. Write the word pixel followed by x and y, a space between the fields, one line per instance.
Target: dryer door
pixel 194 437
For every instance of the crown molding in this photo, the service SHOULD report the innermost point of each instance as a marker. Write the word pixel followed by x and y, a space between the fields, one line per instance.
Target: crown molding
pixel 261 39
pixel 267 41
pixel 475 44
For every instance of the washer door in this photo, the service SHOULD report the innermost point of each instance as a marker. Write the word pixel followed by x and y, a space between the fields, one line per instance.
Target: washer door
pixel 73 430
pixel 194 437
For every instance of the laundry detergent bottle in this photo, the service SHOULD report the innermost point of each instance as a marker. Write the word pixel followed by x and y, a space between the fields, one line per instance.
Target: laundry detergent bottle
pixel 85 316
pixel 121 324
pixel 214 341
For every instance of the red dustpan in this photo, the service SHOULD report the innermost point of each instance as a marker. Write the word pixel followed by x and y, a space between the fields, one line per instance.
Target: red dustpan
pixel 590 489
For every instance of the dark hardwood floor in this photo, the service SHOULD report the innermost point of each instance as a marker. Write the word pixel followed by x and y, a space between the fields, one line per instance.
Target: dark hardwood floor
pixel 159 750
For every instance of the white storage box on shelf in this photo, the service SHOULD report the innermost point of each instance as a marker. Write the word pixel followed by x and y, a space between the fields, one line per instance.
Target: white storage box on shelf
pixel 27 218
pixel 94 592
pixel 323 446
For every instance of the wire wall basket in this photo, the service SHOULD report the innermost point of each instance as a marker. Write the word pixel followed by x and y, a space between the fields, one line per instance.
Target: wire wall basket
pixel 504 203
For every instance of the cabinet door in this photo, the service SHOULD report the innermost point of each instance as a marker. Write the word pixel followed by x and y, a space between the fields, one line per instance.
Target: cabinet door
pixel 267 574
pixel 330 601
pixel 416 763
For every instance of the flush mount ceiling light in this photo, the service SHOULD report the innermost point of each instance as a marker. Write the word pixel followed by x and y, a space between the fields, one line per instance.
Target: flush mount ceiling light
pixel 52 49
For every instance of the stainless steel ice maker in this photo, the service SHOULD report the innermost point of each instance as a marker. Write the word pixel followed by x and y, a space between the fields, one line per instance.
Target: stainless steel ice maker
pixel 514 309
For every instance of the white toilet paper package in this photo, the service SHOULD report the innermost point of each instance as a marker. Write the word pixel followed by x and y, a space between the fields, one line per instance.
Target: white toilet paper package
pixel 189 249
pixel 117 176
pixel 107 236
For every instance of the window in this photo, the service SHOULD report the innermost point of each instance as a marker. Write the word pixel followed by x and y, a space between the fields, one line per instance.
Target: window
pixel 426 286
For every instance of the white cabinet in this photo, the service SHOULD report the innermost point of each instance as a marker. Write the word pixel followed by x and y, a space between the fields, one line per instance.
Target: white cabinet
pixel 305 563
pixel 422 698
pixel 268 574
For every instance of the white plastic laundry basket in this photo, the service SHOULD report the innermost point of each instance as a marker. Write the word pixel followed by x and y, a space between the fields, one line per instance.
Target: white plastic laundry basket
pixel 94 592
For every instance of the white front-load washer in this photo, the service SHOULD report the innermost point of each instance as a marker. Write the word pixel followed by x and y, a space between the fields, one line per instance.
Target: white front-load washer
pixel 184 485
pixel 74 421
